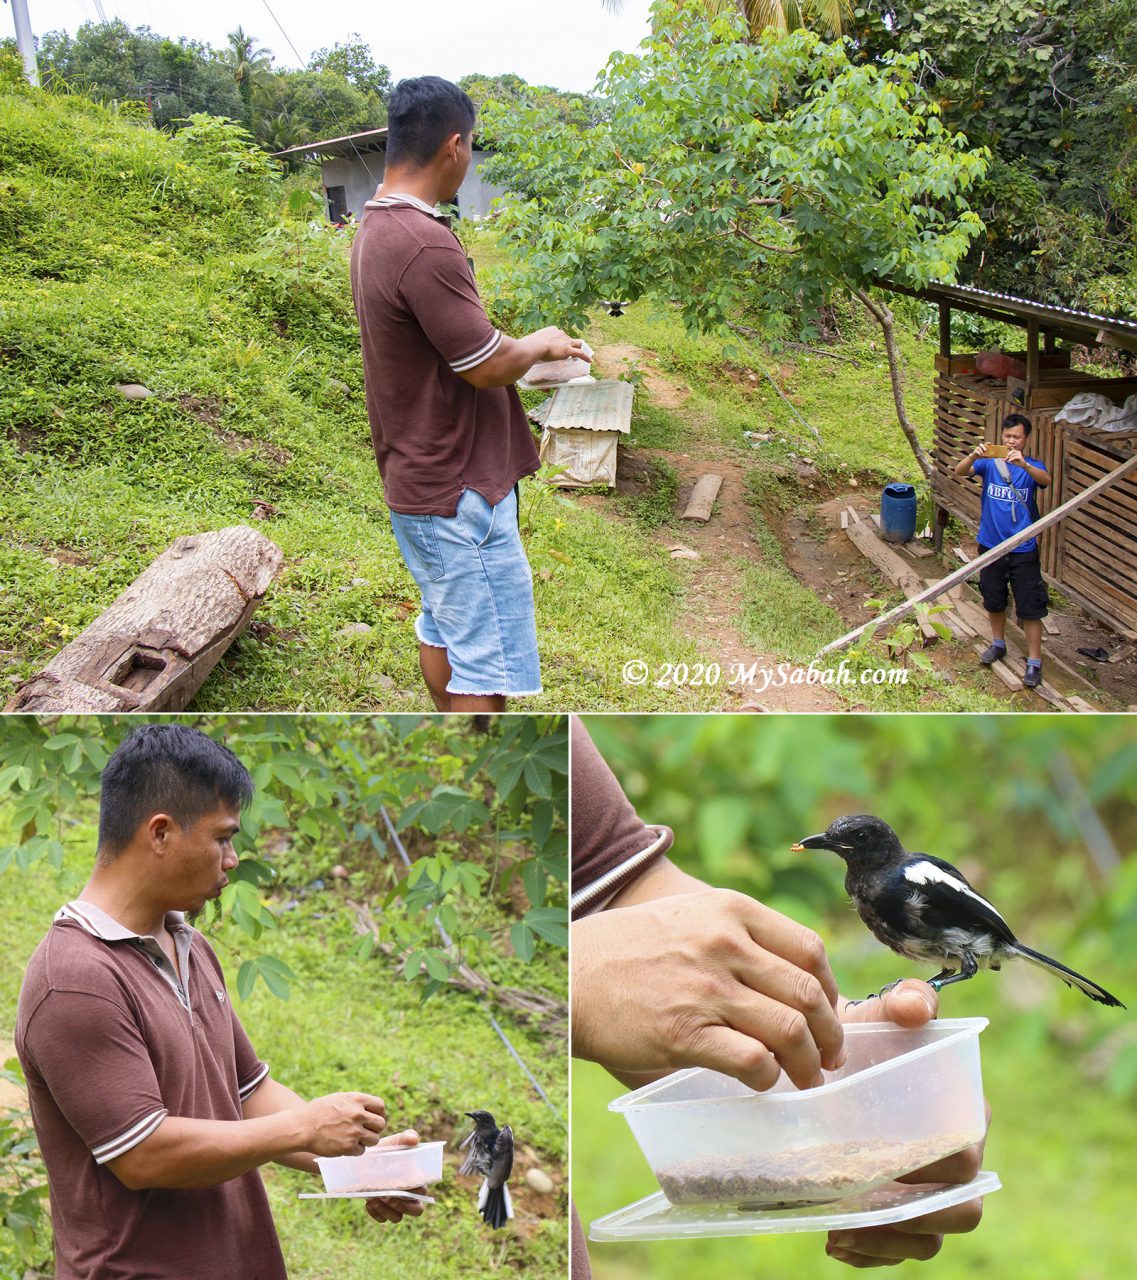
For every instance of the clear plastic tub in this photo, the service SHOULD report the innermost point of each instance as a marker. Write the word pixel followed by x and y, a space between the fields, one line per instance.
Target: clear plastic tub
pixel 383 1169
pixel 904 1099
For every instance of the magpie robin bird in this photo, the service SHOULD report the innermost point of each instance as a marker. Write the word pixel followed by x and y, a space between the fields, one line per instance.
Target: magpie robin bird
pixel 491 1155
pixel 924 909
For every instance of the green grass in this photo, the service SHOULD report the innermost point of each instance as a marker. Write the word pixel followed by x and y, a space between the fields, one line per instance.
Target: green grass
pixel 358 1025
pixel 1065 1150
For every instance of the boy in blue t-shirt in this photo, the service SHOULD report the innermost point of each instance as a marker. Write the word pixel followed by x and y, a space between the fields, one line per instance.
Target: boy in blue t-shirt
pixel 1008 500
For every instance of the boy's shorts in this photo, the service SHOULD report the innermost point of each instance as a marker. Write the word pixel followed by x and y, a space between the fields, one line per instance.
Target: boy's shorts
pixel 1020 571
pixel 477 594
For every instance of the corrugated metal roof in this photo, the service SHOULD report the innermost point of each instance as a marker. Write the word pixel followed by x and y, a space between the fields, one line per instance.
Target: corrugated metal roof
pixel 349 144
pixel 599 406
pixel 1016 309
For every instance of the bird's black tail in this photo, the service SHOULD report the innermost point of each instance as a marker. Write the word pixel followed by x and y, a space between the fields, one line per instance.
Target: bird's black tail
pixel 1068 976
pixel 495 1205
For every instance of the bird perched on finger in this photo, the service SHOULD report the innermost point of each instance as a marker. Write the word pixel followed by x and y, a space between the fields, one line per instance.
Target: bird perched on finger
pixel 924 909
pixel 491 1155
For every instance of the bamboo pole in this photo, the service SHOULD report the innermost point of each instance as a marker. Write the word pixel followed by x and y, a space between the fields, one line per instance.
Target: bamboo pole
pixel 989 556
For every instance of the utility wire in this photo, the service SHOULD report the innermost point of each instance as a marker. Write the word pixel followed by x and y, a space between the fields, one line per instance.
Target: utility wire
pixel 447 940
pixel 303 66
pixel 762 369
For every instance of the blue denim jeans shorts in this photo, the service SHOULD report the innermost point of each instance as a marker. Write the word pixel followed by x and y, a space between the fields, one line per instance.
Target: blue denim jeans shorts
pixel 477 594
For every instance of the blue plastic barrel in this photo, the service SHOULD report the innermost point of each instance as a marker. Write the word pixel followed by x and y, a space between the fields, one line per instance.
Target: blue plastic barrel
pixel 898 513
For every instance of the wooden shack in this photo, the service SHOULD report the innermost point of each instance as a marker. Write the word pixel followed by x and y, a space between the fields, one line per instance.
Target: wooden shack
pixel 1090 555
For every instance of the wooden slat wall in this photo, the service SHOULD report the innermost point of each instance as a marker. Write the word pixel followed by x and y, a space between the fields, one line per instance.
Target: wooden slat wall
pixel 1093 552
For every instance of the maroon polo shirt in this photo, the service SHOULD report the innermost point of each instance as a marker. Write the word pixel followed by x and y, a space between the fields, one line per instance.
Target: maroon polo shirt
pixel 422 324
pixel 111 1043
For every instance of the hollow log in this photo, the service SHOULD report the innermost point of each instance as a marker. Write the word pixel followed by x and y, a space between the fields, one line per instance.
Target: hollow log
pixel 152 649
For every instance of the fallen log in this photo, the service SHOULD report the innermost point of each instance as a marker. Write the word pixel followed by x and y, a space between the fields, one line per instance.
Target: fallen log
pixel 702 498
pixel 988 557
pixel 154 646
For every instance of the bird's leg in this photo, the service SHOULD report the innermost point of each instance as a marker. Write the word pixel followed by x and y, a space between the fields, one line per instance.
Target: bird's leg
pixel 968 969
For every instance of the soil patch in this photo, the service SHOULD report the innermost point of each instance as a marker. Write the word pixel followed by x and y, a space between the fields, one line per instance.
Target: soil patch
pixel 713 588
pixel 207 409
pixel 822 557
pixel 622 358
pixel 262 448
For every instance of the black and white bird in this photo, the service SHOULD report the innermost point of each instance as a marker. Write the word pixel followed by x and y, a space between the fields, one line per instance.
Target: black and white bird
pixel 491 1155
pixel 924 909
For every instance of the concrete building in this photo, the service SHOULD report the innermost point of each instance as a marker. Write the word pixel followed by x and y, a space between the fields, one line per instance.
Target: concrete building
pixel 352 168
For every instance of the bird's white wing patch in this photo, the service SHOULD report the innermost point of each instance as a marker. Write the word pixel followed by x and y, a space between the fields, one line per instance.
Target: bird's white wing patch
pixel 923 872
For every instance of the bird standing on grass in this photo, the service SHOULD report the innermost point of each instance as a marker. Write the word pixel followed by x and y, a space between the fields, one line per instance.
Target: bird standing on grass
pixel 491 1155
pixel 924 909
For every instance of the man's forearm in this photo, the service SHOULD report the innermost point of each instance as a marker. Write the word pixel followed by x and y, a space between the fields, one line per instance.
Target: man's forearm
pixel 269 1098
pixel 183 1153
pixel 513 358
pixel 662 879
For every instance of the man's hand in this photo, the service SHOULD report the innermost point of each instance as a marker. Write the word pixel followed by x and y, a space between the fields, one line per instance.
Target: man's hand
pixel 395 1208
pixel 711 979
pixel 342 1124
pixel 555 344
pixel 910 1004
pixel 1015 455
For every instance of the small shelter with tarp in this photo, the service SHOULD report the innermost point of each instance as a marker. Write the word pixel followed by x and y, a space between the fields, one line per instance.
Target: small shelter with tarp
pixel 1090 554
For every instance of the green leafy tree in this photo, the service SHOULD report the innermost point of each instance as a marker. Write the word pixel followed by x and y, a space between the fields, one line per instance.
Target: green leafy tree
pixel 733 174
pixel 354 62
pixel 109 61
pixel 1050 87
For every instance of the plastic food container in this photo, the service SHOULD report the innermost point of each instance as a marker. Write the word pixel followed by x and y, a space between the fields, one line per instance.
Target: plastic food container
pixel 383 1169
pixel 903 1099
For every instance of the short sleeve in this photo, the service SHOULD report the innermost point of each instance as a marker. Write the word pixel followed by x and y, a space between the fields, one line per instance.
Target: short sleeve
pixel 250 1069
pixel 981 467
pixel 438 288
pixel 90 1053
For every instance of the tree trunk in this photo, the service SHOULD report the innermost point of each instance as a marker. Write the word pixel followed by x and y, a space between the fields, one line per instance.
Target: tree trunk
pixel 883 316
pixel 152 649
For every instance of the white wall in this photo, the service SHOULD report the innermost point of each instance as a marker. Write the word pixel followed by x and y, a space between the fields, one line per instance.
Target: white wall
pixel 360 175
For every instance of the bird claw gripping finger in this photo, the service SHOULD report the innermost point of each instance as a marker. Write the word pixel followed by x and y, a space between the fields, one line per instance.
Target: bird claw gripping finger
pixel 888 987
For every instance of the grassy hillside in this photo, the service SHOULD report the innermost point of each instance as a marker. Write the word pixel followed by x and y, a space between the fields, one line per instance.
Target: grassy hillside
pixel 129 256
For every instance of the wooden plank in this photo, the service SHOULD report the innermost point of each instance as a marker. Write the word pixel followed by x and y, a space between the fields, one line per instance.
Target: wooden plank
pixel 1080 704
pixel 1000 669
pixel 989 557
pixel 702 498
pixel 891 565
pixel 152 648
pixel 845 519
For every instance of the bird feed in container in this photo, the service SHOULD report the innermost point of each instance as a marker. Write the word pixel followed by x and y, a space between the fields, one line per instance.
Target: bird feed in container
pixel 903 1100
pixel 383 1169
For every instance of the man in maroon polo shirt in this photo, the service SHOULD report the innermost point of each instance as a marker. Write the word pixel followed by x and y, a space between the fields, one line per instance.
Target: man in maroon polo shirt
pixel 449 431
pixel 152 1110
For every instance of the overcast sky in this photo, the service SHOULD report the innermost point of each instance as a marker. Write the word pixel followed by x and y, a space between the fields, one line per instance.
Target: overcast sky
pixel 563 45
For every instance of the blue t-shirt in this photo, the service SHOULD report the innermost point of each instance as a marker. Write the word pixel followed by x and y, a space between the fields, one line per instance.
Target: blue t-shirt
pixel 1006 507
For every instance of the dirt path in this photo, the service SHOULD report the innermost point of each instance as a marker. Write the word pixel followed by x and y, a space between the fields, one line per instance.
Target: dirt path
pixel 822 558
pixel 713 585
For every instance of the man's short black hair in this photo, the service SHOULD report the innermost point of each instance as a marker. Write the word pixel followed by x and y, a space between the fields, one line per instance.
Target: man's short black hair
pixel 166 768
pixel 421 115
pixel 1018 420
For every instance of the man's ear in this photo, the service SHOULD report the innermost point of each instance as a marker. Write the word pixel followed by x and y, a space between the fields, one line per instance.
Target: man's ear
pixel 453 147
pixel 158 829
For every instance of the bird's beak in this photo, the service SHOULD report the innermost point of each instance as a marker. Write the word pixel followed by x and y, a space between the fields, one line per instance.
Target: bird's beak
pixel 820 841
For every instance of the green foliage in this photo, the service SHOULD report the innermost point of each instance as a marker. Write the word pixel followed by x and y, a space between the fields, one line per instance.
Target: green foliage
pixel 23 1184
pixel 334 783
pixel 1051 89
pixel 835 174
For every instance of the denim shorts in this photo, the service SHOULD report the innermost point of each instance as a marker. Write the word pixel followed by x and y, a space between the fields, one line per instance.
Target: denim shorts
pixel 477 594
